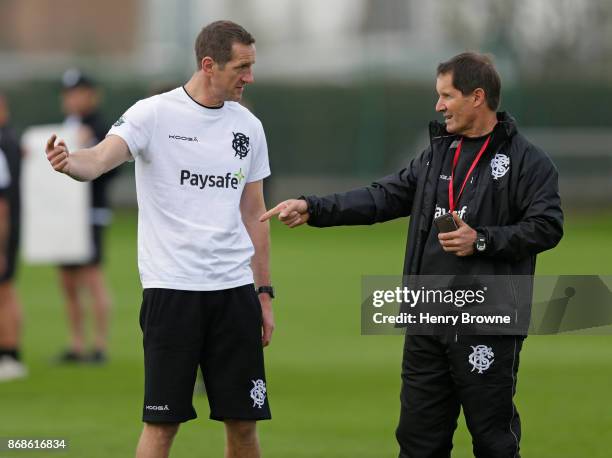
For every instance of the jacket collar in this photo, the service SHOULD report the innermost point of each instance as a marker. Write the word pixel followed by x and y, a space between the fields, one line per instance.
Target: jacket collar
pixel 506 126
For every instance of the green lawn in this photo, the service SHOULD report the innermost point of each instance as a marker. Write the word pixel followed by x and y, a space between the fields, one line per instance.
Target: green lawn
pixel 333 392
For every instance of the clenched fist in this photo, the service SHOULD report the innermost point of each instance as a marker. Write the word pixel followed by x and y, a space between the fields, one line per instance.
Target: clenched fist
pixel 58 155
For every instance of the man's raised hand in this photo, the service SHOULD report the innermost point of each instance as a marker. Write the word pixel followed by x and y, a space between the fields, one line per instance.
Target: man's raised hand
pixel 292 212
pixel 57 155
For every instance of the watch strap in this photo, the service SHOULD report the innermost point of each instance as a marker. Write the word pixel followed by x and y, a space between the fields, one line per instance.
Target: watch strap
pixel 266 289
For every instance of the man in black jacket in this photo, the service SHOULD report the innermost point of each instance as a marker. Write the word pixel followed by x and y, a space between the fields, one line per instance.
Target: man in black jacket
pixel 502 192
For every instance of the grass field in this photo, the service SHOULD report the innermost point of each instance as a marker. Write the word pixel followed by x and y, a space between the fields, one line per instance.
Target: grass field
pixel 333 392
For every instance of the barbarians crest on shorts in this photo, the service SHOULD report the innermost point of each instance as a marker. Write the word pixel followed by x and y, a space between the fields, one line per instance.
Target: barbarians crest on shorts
pixel 240 144
pixel 258 393
pixel 119 121
pixel 481 358
pixel 500 165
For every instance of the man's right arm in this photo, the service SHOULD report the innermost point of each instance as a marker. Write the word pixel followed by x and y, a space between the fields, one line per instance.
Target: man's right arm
pixel 89 163
pixel 388 198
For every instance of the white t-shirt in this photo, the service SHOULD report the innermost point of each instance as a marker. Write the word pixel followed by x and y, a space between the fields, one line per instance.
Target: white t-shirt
pixel 192 164
pixel 5 174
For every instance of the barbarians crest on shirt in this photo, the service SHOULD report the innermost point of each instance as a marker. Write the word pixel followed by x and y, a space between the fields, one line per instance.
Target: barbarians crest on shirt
pixel 258 393
pixel 500 165
pixel 240 144
pixel 481 358
pixel 119 121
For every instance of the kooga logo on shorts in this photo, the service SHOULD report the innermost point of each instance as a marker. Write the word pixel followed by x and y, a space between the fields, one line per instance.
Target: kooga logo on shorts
pixel 165 407
pixel 200 181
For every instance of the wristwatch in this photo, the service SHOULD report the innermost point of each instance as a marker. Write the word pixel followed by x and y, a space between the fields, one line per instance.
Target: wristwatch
pixel 266 289
pixel 480 245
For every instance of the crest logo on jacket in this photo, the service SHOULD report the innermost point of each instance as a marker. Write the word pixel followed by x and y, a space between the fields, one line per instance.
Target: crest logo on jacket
pixel 500 165
pixel 240 144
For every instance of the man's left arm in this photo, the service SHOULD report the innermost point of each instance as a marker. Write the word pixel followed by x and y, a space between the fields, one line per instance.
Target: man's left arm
pixel 539 228
pixel 252 205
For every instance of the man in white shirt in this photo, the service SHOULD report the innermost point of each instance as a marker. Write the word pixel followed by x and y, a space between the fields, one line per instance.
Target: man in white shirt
pixel 200 158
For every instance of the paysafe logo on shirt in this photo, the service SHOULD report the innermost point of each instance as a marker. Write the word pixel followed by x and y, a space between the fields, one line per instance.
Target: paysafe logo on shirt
pixel 201 181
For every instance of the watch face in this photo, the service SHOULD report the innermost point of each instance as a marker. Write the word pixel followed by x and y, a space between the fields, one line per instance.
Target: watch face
pixel 481 244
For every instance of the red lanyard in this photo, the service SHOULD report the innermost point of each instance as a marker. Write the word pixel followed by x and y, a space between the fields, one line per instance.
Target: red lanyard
pixel 451 191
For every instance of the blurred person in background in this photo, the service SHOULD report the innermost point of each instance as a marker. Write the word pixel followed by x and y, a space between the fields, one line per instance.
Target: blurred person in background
pixel 203 255
pixel 11 366
pixel 510 211
pixel 80 103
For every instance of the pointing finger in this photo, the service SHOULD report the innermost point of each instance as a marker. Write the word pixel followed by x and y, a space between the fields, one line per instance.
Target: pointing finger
pixel 270 213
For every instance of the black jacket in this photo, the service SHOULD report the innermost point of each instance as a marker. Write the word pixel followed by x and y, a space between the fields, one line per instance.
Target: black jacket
pixel 519 212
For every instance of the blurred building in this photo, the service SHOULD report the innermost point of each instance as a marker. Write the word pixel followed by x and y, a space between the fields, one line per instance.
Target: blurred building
pixel 301 40
pixel 369 63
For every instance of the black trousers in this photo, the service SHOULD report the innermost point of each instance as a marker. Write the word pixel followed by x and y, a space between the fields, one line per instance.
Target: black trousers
pixel 441 374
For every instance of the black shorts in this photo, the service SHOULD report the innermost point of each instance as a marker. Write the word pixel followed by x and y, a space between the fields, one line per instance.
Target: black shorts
pixel 11 252
pixel 220 331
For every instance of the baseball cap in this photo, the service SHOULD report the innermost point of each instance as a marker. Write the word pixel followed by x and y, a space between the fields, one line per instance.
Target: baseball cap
pixel 73 77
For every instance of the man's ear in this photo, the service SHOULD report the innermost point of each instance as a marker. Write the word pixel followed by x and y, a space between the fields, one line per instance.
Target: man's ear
pixel 479 97
pixel 207 64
